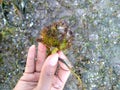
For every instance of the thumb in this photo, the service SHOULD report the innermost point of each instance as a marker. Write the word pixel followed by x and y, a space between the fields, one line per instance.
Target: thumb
pixel 47 72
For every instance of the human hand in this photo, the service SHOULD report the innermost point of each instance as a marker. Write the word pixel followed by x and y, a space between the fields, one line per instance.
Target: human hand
pixel 41 74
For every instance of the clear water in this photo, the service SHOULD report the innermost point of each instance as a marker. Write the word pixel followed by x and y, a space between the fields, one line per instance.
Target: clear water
pixel 95 24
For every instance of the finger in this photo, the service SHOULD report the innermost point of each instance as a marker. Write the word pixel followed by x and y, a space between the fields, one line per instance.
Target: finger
pixel 47 72
pixel 64 61
pixel 41 55
pixel 30 64
pixel 63 72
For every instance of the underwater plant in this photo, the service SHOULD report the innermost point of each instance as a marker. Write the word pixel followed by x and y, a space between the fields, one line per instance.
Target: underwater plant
pixel 58 37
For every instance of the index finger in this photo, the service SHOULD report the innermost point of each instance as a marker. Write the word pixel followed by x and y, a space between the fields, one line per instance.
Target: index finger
pixel 41 55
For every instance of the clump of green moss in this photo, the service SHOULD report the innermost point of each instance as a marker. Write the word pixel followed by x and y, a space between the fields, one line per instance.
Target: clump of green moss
pixel 56 36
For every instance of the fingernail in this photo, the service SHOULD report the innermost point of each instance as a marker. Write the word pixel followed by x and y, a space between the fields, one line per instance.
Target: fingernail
pixel 54 59
pixel 32 46
pixel 59 52
pixel 42 45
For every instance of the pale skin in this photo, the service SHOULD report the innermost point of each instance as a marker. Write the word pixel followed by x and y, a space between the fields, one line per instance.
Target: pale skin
pixel 40 74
